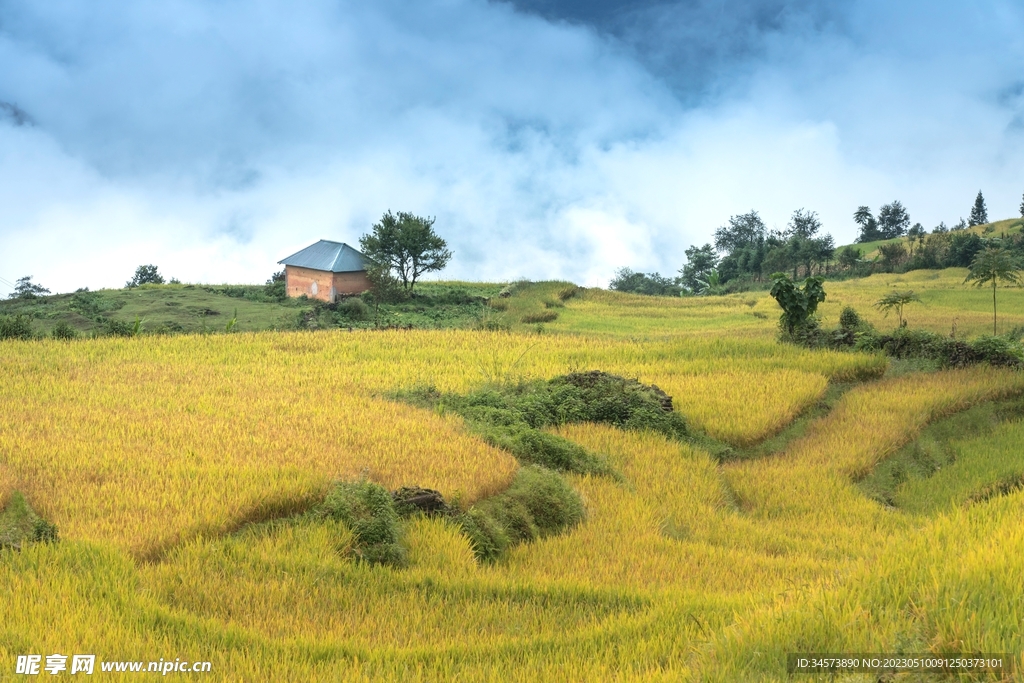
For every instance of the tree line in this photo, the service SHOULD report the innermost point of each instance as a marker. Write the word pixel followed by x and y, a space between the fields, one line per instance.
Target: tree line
pixel 744 250
pixel 746 253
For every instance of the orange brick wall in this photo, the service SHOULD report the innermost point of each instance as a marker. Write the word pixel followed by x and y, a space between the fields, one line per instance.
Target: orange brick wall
pixel 299 281
pixel 351 283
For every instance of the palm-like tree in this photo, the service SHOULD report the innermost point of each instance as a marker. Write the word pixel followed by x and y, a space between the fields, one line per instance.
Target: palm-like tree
pixel 994 264
pixel 711 285
pixel 895 301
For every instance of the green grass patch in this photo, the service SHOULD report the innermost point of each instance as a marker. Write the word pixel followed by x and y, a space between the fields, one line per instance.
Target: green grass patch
pixel 538 503
pixel 795 430
pixel 367 509
pixel 512 416
pixel 967 457
pixel 210 309
pixel 19 524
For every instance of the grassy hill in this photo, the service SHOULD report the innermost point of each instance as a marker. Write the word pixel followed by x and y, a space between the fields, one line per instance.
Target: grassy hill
pixel 189 308
pixel 1010 226
pixel 218 498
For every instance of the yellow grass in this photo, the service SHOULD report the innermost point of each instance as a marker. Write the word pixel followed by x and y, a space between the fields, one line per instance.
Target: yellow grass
pixel 743 407
pixel 147 442
pixel 145 452
pixel 947 304
pixel 946 301
pixel 667 578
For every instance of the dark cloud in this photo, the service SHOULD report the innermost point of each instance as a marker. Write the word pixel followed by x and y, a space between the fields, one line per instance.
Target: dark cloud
pixel 699 47
pixel 13 114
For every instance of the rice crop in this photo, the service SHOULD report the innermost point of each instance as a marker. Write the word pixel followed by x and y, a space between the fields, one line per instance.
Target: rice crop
pixel 152 454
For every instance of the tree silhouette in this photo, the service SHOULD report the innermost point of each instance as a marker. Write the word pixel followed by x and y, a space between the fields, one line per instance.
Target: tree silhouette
pixel 868 225
pixel 979 214
pixel 893 220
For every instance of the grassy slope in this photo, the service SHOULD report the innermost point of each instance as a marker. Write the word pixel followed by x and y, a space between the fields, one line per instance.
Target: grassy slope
pixel 688 571
pixel 209 308
pixel 953 461
pixel 1009 226
pixel 190 308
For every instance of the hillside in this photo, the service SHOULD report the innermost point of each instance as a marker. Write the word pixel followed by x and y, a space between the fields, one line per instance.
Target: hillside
pixel 544 306
pixel 1003 228
pixel 224 498
pixel 188 308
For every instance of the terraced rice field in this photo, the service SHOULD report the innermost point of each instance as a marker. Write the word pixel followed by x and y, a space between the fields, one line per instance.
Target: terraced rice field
pixel 173 468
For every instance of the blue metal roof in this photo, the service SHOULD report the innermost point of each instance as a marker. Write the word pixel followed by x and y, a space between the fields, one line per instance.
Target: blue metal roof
pixel 336 257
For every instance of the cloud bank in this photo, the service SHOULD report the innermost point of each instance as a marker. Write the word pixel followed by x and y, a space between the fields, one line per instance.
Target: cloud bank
pixel 550 139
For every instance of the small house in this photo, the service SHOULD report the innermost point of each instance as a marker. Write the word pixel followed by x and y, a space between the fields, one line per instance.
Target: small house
pixel 324 271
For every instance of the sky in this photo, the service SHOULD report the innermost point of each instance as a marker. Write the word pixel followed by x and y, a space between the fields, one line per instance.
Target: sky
pixel 548 138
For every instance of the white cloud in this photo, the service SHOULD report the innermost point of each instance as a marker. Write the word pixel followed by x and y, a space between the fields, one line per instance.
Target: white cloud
pixel 214 139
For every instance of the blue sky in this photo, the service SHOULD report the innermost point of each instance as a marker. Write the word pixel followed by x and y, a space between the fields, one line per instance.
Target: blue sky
pixel 550 138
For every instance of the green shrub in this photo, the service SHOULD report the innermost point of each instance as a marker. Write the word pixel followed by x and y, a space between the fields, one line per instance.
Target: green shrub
pixel 486 535
pixel 492 324
pixel 999 351
pixel 512 417
pixel 533 446
pixel 537 504
pixel 64 331
pixel 354 308
pixel 368 510
pixel 552 504
pixel 597 396
pixel 453 296
pixel 19 524
pixel 15 327
pixel 117 328
pixel 907 344
pixel 849 319
pixel 798 303
pixel 542 317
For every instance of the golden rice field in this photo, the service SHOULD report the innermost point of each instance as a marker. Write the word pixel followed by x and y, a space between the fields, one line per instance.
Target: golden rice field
pixel 152 455
pixel 946 302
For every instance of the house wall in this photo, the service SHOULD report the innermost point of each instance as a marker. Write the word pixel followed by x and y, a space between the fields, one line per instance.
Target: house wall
pixel 328 285
pixel 351 283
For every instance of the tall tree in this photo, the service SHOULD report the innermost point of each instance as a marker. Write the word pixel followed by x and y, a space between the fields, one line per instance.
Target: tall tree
pixel 145 275
pixel 743 240
pixel 893 255
pixel 868 225
pixel 384 288
pixel 1022 206
pixel 406 244
pixel 994 264
pixel 700 262
pixel 893 220
pixel 804 224
pixel 915 235
pixel 848 256
pixel 979 214
pixel 24 288
pixel 745 230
